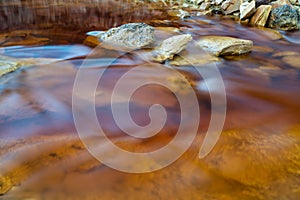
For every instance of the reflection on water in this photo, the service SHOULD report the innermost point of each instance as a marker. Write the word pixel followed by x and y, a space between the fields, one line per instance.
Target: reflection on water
pixel 41 156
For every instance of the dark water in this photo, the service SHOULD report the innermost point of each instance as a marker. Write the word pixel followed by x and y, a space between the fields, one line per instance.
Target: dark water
pixel 41 156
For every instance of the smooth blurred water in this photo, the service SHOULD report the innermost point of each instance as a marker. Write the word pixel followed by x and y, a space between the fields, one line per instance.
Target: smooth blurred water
pixel 257 156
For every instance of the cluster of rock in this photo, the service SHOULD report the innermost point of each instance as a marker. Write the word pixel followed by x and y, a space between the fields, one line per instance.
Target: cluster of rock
pixel 134 36
pixel 279 14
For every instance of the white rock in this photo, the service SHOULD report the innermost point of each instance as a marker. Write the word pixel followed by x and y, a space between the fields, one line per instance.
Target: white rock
pixel 247 9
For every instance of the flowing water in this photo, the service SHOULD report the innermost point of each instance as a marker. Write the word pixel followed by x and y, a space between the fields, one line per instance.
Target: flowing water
pixel 42 157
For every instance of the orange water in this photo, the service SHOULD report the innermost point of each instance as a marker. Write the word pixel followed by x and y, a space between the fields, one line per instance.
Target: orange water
pixel 41 156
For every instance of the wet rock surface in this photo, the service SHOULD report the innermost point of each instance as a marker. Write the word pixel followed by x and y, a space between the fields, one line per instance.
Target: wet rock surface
pixel 260 18
pixel 284 18
pixel 254 12
pixel 131 36
pixel 170 47
pixel 224 46
pixel 5 185
pixel 8 67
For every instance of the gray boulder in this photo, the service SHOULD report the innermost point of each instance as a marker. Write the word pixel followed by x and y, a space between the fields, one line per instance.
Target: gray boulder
pixel 130 36
pixel 284 17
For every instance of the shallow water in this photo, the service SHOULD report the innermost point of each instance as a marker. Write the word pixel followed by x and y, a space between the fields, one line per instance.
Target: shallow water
pixel 41 156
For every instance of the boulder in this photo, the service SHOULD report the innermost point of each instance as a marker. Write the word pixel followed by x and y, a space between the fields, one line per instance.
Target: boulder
pixel 8 66
pixel 247 9
pixel 223 46
pixel 129 36
pixel 170 47
pixel 261 15
pixel 284 17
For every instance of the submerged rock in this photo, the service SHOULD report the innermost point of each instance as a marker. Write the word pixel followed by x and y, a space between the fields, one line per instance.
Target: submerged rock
pixel 284 18
pixel 223 46
pixel 293 61
pixel 247 9
pixel 5 185
pixel 195 59
pixel 130 36
pixel 179 13
pixel 170 47
pixel 8 66
pixel 261 15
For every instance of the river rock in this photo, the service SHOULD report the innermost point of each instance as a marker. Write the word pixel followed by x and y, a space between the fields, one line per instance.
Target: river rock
pixel 278 3
pixel 234 6
pixel 5 185
pixel 223 46
pixel 261 15
pixel 8 66
pixel 218 2
pixel 284 18
pixel 179 13
pixel 170 47
pixel 195 58
pixel 129 36
pixel 293 61
pixel 247 9
pixel 225 4
pixel 205 6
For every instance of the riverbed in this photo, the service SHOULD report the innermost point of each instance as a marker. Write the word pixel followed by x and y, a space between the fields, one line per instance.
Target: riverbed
pixel 42 157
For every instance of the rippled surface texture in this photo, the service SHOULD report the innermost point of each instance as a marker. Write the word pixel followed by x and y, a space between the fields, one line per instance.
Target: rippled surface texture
pixel 41 156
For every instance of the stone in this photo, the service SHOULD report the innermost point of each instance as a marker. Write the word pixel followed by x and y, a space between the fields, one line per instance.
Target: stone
pixel 247 9
pixel 8 66
pixel 223 45
pixel 217 10
pixel 295 2
pixel 293 61
pixel 91 41
pixel 284 18
pixel 225 4
pixel 278 3
pixel 262 49
pixel 179 13
pixel 188 58
pixel 234 6
pixel 205 6
pixel 129 36
pixel 286 53
pixel 5 184
pixel 170 47
pixel 218 2
pixel 261 2
pixel 261 15
pixel 269 33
